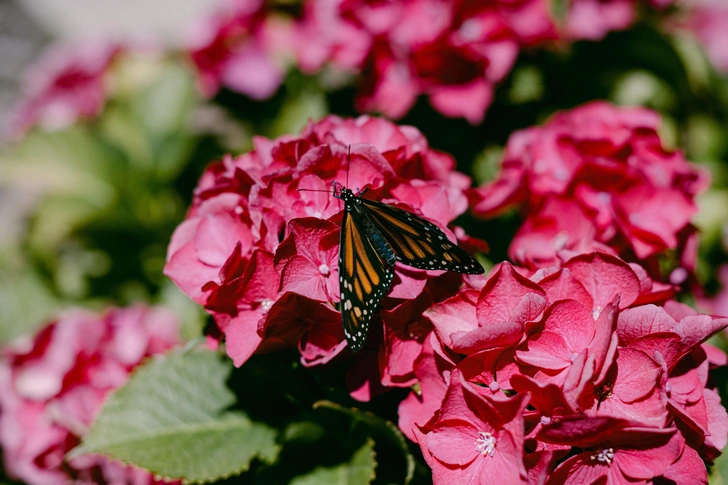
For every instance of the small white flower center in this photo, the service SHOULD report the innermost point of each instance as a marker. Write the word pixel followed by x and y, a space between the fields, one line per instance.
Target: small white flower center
pixel 324 269
pixel 604 456
pixel 560 241
pixel 470 30
pixel 265 305
pixel 596 312
pixel 485 444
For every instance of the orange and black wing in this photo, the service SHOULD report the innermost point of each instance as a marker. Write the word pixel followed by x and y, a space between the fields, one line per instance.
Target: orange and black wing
pixel 364 280
pixel 418 242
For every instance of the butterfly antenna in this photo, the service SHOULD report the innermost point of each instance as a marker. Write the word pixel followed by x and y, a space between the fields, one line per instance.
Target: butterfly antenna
pixel 348 164
pixel 313 190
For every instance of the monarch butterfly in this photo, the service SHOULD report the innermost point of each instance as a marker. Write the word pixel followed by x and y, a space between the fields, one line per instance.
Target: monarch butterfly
pixel 373 237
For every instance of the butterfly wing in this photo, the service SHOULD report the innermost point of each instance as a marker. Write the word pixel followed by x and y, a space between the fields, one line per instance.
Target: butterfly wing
pixel 363 280
pixel 418 242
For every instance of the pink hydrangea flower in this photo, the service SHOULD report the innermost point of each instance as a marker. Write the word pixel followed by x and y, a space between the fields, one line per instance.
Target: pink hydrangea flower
pixel 52 384
pixel 237 48
pixel 615 374
pixel 615 451
pixel 475 439
pixel 596 178
pixel 452 52
pixel 65 85
pixel 253 243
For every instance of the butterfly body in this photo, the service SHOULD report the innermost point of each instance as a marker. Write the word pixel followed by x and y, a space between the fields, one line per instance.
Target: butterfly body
pixel 373 237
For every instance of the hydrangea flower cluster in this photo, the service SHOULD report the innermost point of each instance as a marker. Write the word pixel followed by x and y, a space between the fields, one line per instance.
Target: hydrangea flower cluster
pixel 567 376
pixel 52 385
pixel 259 247
pixel 597 177
pixel 453 52
pixel 65 85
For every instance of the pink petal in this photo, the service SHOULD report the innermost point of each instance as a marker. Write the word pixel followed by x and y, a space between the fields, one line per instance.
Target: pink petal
pixel 453 442
pixel 637 375
pixel 468 101
pixel 605 277
pixel 650 461
pixel 547 350
pixel 241 336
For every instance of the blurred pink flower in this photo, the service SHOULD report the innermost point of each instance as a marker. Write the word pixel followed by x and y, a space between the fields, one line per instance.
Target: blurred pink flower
pixel 65 85
pixel 594 19
pixel 53 384
pixel 237 49
pixel 453 52
pixel 708 21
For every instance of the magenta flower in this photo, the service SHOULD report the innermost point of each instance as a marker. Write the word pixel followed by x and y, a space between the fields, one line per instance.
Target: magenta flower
pixel 474 439
pixel 65 85
pixel 595 178
pixel 52 385
pixel 454 53
pixel 251 239
pixel 597 364
pixel 614 451
pixel 307 259
pixel 495 316
pixel 235 48
pixel 571 336
pixel 594 19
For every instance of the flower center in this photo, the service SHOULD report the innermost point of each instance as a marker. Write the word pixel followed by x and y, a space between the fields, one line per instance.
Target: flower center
pixel 596 312
pixel 265 305
pixel 604 456
pixel 324 269
pixel 470 30
pixel 485 444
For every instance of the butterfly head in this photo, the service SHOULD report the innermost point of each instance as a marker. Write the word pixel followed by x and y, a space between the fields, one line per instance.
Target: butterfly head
pixel 346 194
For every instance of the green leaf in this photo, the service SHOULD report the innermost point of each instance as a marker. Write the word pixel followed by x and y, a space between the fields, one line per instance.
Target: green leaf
pixel 381 429
pixel 719 471
pixel 358 471
pixel 170 419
